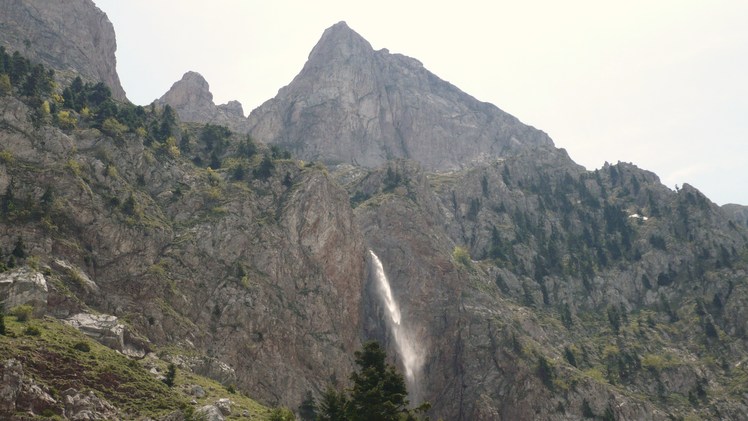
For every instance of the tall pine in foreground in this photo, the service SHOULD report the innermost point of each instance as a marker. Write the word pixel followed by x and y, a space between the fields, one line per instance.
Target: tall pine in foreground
pixel 378 392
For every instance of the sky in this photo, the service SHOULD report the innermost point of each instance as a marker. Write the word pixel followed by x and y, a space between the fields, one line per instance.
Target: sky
pixel 661 84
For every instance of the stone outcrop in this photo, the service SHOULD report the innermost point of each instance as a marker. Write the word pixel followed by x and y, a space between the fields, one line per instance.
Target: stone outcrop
pixel 71 37
pixel 351 104
pixel 107 330
pixel 20 394
pixel 24 286
pixel 87 406
pixel 210 413
pixel 192 100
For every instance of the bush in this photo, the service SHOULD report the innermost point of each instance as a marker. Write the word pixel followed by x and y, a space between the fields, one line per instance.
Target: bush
pixel 113 128
pixel 66 120
pixel 32 331
pixel 282 414
pixel 546 372
pixel 2 323
pixel 82 347
pixel 171 374
pixel 462 256
pixel 22 313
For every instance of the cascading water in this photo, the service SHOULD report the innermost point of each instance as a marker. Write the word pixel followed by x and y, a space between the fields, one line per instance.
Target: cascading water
pixel 411 355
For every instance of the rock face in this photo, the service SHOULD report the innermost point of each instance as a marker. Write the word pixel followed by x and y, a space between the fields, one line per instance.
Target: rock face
pixel 71 37
pixel 271 266
pixel 351 104
pixel 24 286
pixel 19 394
pixel 483 322
pixel 192 100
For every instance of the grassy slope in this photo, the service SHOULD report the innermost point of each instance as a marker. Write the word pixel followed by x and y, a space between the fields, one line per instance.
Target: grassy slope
pixel 52 361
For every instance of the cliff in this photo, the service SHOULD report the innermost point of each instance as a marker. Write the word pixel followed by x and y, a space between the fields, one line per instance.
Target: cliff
pixel 73 37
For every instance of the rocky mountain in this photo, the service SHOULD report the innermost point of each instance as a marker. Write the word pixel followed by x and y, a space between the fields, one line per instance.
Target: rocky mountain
pixel 528 287
pixel 192 100
pixel 246 273
pixel 351 104
pixel 72 37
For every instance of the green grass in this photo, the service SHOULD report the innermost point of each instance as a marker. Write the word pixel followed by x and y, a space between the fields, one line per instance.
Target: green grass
pixel 57 360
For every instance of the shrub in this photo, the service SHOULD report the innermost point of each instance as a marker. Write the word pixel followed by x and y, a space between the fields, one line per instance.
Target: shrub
pixel 82 347
pixel 6 157
pixel 66 120
pixel 462 256
pixel 282 414
pixel 546 372
pixel 22 313
pixel 2 323
pixel 113 128
pixel 171 374
pixel 32 331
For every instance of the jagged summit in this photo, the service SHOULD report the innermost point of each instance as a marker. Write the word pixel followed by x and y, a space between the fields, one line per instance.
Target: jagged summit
pixel 190 91
pixel 338 42
pixel 351 104
pixel 192 100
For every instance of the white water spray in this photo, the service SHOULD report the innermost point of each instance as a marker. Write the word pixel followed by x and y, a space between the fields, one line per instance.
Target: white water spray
pixel 411 356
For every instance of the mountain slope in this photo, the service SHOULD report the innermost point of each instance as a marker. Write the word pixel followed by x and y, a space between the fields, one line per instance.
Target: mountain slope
pixel 628 309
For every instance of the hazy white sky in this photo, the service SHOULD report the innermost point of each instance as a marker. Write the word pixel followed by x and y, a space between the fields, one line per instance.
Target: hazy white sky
pixel 659 83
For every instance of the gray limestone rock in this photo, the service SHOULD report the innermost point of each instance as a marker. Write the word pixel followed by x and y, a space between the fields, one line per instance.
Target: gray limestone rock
pixel 71 37
pixel 351 104
pixel 192 100
pixel 210 413
pixel 107 330
pixel 224 405
pixel 24 286
pixel 18 393
pixel 87 406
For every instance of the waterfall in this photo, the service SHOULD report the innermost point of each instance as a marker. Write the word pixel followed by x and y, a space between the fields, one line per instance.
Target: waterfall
pixel 405 343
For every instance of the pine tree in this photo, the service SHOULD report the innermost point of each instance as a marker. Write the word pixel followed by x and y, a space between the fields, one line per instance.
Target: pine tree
pixel 379 392
pixel 332 406
pixel 308 408
pixel 171 374
pixel 2 321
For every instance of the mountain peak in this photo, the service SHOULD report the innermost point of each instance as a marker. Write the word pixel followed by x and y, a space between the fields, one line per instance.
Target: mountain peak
pixel 351 104
pixel 192 100
pixel 338 42
pixel 191 90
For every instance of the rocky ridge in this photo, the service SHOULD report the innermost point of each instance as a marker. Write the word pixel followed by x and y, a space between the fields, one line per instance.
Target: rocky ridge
pixel 352 104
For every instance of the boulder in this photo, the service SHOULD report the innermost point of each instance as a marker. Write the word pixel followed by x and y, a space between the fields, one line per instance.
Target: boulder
pixel 21 394
pixel 107 330
pixel 24 286
pixel 87 406
pixel 224 405
pixel 209 413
